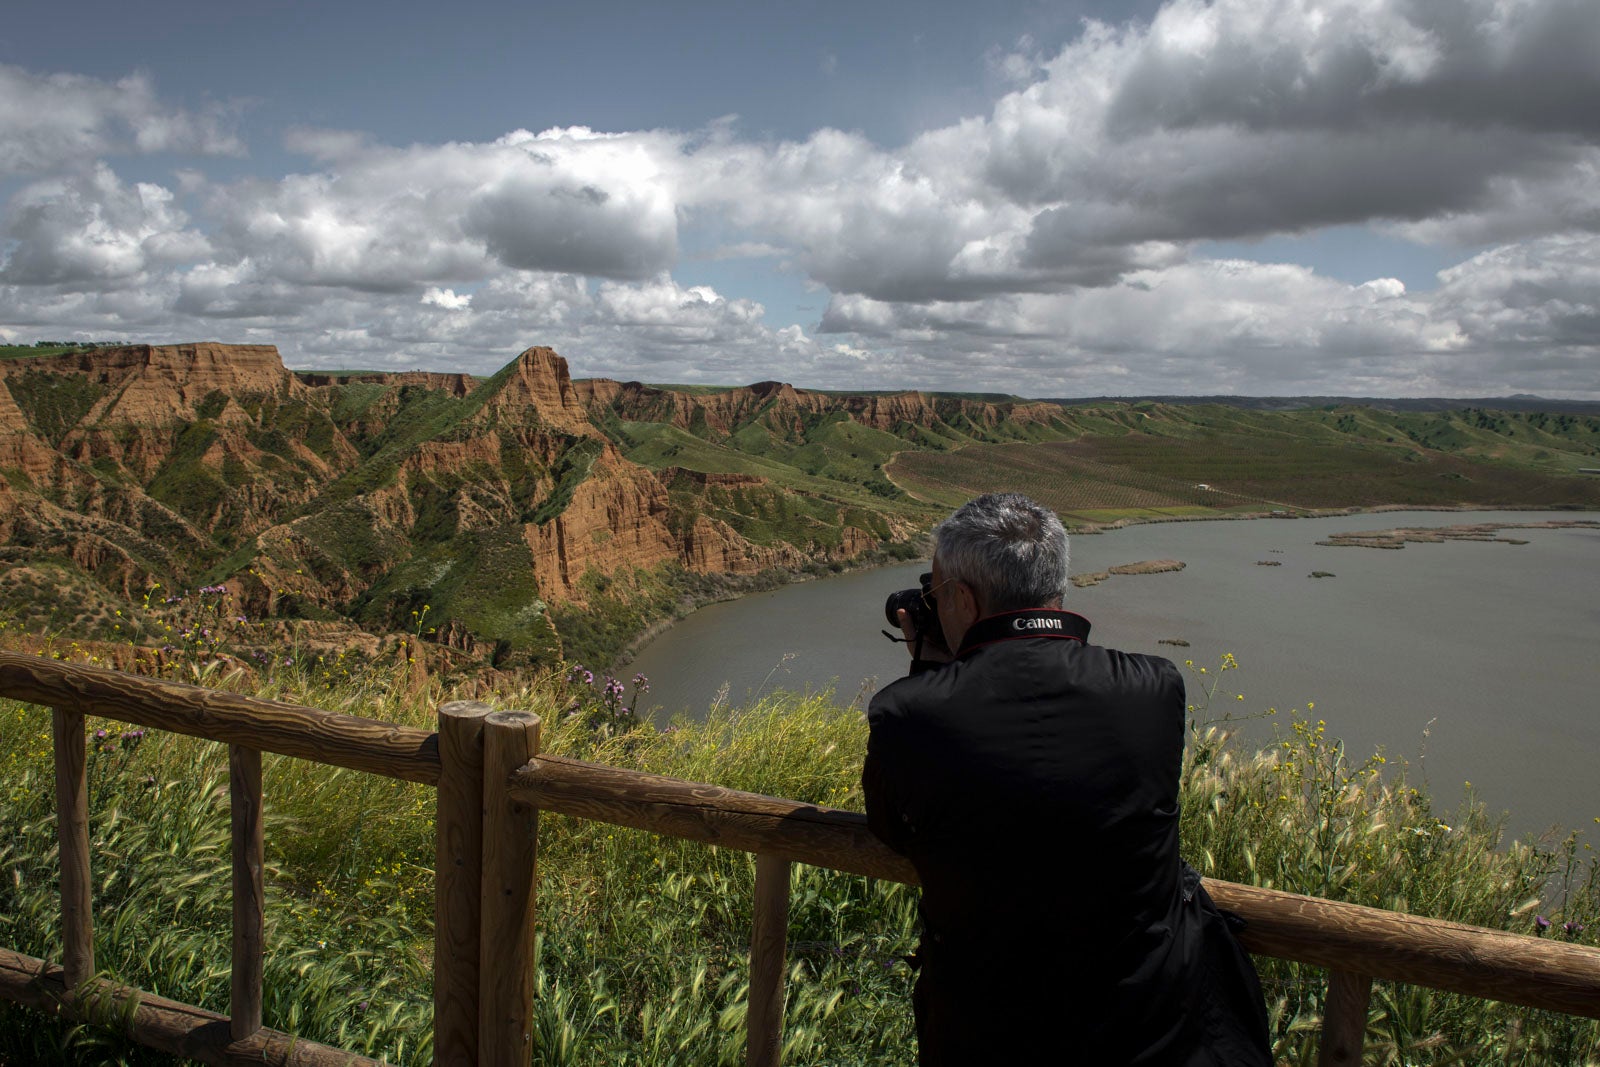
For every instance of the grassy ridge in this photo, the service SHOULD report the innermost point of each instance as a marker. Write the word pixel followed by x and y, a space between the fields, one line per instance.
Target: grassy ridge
pixel 842 463
pixel 28 351
pixel 1210 459
pixel 644 943
pixel 359 502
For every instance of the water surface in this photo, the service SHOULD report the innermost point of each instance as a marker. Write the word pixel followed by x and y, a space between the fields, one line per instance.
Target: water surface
pixel 1470 661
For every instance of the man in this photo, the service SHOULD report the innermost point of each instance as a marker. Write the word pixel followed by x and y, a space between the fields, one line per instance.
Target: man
pixel 1032 780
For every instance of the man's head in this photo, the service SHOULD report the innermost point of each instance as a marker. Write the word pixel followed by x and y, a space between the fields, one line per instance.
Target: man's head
pixel 1000 552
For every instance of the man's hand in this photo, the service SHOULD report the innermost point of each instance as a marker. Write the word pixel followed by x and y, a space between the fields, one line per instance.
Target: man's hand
pixel 927 647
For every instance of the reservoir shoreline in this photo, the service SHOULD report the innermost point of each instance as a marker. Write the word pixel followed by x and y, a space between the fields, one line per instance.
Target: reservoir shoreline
pixel 1470 657
pixel 642 640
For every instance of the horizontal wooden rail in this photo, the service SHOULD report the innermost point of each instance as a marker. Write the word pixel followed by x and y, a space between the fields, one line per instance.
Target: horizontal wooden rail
pixel 1356 943
pixel 804 833
pixel 1344 937
pixel 165 1025
pixel 1454 957
pixel 267 725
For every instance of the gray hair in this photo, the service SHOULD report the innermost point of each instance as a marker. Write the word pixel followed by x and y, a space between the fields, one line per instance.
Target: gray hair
pixel 1009 549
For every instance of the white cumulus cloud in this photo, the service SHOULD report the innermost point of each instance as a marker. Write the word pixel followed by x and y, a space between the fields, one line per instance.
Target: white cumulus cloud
pixel 91 228
pixel 447 299
pixel 1047 245
pixel 48 121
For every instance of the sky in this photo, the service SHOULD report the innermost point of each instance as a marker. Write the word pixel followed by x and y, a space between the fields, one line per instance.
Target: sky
pixel 1072 199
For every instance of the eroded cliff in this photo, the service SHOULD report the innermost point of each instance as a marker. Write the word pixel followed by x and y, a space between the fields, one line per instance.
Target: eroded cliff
pixel 373 497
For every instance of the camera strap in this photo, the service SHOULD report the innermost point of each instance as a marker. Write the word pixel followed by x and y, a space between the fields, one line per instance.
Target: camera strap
pixel 914 642
pixel 1025 626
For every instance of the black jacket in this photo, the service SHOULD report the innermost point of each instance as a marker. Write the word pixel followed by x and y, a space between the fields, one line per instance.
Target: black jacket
pixel 1033 783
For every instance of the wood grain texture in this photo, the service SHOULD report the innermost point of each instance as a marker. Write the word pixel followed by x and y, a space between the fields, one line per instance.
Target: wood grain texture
pixel 72 832
pixel 769 937
pixel 1344 1019
pixel 1342 937
pixel 165 1025
pixel 249 940
pixel 804 833
pixel 1393 946
pixel 510 848
pixel 1387 945
pixel 457 883
pixel 266 725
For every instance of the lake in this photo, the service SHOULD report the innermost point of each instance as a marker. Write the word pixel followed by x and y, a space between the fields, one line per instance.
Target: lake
pixel 1475 661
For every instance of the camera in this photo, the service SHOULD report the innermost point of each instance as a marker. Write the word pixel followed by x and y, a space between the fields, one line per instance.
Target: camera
pixel 918 606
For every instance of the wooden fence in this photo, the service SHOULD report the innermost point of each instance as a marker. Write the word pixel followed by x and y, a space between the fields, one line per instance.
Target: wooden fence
pixel 491 784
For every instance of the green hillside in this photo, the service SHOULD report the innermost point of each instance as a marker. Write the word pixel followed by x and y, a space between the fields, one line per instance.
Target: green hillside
pixel 1179 460
pixel 364 505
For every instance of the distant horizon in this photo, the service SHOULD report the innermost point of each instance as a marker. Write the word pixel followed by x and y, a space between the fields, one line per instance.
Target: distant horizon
pixel 995 397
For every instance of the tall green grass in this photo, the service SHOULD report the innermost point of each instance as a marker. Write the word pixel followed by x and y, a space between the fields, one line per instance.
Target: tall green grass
pixel 644 940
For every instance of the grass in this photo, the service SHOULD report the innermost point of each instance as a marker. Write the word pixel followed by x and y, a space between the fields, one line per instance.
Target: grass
pixel 30 351
pixel 382 490
pixel 824 471
pixel 54 403
pixel 1271 461
pixel 644 940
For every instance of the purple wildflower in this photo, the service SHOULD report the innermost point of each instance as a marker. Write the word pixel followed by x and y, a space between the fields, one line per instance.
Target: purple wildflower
pixel 1573 929
pixel 641 683
pixel 1541 922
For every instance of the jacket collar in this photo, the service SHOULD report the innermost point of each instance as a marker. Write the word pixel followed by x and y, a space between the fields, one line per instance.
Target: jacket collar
pixel 1025 625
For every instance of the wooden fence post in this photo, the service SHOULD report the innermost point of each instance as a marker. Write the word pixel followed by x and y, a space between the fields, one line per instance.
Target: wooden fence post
pixel 244 799
pixel 510 849
pixel 769 933
pixel 1344 1019
pixel 457 883
pixel 72 829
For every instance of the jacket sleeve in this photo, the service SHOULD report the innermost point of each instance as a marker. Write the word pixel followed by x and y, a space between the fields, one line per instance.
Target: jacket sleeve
pixel 886 816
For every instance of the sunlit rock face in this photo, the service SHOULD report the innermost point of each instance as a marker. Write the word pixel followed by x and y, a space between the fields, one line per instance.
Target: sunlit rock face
pixel 351 495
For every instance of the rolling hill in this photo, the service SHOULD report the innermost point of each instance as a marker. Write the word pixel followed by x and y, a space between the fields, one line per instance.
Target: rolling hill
pixel 500 522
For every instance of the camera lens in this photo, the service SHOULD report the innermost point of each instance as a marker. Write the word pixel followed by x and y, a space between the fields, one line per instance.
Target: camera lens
pixel 908 599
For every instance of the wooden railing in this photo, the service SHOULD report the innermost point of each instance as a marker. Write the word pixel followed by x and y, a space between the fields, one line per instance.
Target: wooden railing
pixel 249 727
pixel 491 784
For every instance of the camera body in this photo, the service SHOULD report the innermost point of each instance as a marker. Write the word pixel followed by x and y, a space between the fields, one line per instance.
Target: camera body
pixel 917 604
